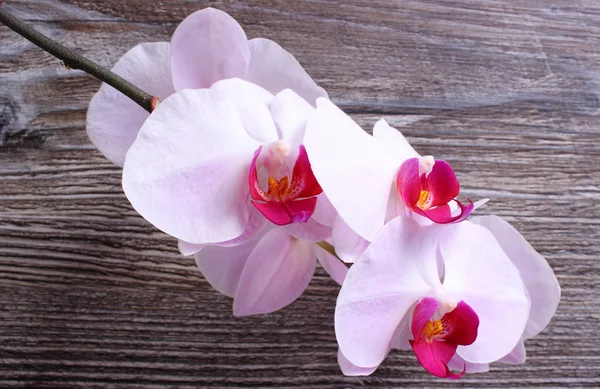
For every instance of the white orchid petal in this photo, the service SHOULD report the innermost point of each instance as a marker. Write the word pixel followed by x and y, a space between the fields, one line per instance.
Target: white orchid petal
pixel 351 166
pixel 352 370
pixel 541 283
pixel 252 103
pixel 276 273
pixel 478 272
pixel 349 246
pixel 275 69
pixel 187 172
pixel 208 46
pixel 223 266
pixel 332 265
pixel 291 112
pixel 113 119
pixel 394 142
pixel 379 290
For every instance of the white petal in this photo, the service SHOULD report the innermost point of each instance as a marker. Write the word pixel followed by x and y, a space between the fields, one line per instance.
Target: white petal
pixel 187 172
pixel 223 266
pixel 324 213
pixel 478 271
pixel 252 103
pixel 256 224
pixel 276 273
pixel 349 246
pixel 541 283
pixel 517 356
pixel 311 231
pixel 403 334
pixel 291 113
pixel 351 166
pixel 394 142
pixel 332 265
pixel 351 370
pixel 187 248
pixel 113 120
pixel 457 364
pixel 208 46
pixel 275 69
pixel 379 290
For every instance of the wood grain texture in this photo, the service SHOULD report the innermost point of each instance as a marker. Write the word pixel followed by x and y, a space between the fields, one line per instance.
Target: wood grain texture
pixel 95 297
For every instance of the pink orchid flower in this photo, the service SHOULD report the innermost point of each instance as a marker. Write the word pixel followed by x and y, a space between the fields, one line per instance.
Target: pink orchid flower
pixel 460 296
pixel 203 156
pixel 224 171
pixel 372 179
pixel 208 46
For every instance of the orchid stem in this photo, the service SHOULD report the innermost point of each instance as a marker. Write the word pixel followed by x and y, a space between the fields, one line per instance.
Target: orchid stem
pixel 331 250
pixel 74 60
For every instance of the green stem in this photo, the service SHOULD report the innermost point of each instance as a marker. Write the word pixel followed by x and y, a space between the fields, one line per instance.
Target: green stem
pixel 76 61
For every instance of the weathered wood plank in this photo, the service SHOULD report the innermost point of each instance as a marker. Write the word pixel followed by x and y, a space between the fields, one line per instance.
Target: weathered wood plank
pixel 95 297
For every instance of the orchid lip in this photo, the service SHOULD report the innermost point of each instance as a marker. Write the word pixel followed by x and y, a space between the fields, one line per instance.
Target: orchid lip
pixel 428 187
pixel 436 340
pixel 289 188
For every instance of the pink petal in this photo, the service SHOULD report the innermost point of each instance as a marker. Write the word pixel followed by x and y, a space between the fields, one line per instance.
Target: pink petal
pixel 291 113
pixel 393 141
pixel 441 183
pixel 408 183
pixel 460 325
pixel 443 214
pixel 287 212
pixel 541 283
pixel 379 290
pixel 113 120
pixel 304 183
pixel 332 265
pixel 223 266
pixel 208 46
pixel 252 103
pixel 352 370
pixel 275 69
pixel 187 172
pixel 434 357
pixel 425 308
pixel 349 246
pixel 478 270
pixel 276 273
pixel 351 166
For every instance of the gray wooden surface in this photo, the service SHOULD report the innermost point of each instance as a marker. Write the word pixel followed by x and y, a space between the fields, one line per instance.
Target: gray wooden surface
pixel 92 296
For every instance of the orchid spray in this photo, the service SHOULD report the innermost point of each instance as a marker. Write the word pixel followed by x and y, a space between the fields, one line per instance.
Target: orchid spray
pixel 231 148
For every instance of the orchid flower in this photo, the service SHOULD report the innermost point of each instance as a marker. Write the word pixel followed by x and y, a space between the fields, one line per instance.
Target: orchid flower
pixel 208 46
pixel 207 159
pixel 225 167
pixel 372 179
pixel 460 296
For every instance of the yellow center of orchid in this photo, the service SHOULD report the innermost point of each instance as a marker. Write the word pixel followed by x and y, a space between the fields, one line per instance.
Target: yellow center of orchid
pixel 432 328
pixel 423 200
pixel 278 188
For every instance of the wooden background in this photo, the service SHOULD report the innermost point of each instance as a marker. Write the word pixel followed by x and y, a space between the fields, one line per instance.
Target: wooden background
pixel 92 296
